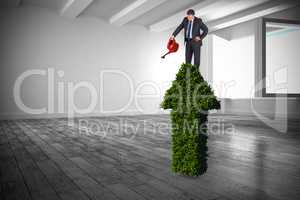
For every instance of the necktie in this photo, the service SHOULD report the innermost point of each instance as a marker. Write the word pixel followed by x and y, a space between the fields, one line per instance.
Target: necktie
pixel 189 30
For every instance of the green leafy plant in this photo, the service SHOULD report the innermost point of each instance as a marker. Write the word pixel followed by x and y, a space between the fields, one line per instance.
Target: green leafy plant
pixel 190 98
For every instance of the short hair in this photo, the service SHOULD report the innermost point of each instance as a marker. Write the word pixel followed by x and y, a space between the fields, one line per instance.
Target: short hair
pixel 190 12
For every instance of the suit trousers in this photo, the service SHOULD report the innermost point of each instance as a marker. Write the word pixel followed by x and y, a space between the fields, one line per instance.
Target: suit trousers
pixel 193 47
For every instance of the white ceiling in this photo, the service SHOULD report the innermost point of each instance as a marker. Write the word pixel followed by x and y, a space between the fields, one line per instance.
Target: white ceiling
pixel 105 8
pixel 159 15
pixel 51 4
pixel 164 10
pixel 9 3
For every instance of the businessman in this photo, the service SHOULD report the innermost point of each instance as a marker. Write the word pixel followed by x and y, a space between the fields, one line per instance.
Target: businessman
pixel 194 33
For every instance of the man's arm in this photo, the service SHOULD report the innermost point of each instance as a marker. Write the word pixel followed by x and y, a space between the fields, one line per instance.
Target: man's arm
pixel 178 29
pixel 205 31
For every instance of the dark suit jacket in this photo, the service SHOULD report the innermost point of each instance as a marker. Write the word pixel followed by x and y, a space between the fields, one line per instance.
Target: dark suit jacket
pixel 197 26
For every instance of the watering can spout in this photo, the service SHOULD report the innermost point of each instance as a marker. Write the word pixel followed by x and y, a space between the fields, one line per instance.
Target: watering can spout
pixel 164 56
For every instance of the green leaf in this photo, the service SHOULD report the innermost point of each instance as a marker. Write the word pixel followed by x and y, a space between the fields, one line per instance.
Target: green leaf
pixel 188 95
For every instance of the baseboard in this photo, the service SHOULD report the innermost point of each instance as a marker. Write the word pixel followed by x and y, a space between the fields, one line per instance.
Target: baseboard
pixel 257 107
pixel 15 116
pixel 262 107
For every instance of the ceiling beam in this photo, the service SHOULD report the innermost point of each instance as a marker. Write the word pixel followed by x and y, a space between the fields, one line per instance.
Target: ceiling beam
pixel 252 13
pixel 73 8
pixel 202 8
pixel 134 10
pixel 230 8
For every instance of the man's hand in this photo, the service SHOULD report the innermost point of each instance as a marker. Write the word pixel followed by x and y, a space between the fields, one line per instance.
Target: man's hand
pixel 197 38
pixel 172 37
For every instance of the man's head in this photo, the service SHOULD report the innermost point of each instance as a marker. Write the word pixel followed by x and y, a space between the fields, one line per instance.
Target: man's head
pixel 190 14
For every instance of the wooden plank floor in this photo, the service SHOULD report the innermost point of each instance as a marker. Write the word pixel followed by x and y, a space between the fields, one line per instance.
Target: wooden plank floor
pixel 129 158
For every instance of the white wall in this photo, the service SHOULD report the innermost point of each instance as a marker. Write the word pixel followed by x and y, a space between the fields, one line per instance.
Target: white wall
pixel 287 107
pixel 237 57
pixel 282 60
pixel 234 61
pixel 34 38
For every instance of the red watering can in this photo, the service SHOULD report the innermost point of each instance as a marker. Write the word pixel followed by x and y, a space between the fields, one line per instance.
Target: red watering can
pixel 172 47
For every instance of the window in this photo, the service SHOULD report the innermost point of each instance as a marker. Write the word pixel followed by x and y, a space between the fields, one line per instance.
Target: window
pixel 281 58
